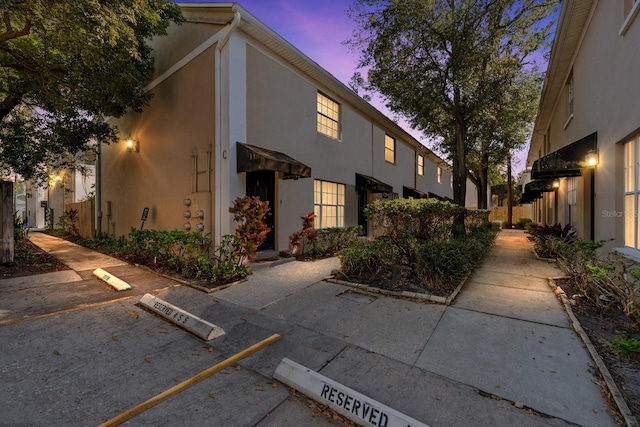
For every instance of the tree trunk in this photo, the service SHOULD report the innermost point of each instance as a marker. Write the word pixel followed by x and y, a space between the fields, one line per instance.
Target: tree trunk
pixel 459 177
pixel 509 194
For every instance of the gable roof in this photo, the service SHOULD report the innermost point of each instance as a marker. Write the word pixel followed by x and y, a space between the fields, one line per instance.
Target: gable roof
pixel 225 13
pixel 571 27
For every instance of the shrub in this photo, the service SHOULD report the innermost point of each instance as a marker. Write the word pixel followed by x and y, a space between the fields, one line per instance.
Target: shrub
pixel 442 264
pixel 330 241
pixel 301 240
pixel 69 222
pixel 368 259
pixel 524 223
pixel 225 265
pixel 249 213
pixel 20 228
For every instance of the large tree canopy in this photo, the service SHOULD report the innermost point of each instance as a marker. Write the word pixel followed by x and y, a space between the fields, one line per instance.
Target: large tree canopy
pixel 437 63
pixel 67 65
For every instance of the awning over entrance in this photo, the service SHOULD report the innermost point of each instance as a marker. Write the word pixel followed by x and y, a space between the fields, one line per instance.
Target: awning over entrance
pixel 439 197
pixel 412 192
pixel 567 161
pixel 367 183
pixel 251 159
pixel 534 189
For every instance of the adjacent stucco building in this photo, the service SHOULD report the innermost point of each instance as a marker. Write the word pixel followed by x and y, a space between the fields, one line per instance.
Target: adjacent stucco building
pixel 237 110
pixel 585 147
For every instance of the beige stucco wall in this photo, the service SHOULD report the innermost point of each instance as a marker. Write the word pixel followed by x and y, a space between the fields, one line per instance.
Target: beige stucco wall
pixel 177 123
pixel 606 101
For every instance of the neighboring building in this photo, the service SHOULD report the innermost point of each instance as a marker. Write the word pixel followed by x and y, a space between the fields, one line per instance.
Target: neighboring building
pixel 237 110
pixel 590 112
pixel 45 203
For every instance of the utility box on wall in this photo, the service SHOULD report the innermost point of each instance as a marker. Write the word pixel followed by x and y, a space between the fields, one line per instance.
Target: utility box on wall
pixel 197 213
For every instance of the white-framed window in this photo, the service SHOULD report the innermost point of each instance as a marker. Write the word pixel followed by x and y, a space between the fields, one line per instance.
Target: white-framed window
pixel 439 175
pixel 420 165
pixel 328 116
pixel 572 185
pixel 631 10
pixel 328 204
pixel 389 149
pixel 631 193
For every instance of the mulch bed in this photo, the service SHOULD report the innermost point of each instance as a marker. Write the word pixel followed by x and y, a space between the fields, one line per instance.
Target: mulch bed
pixel 602 327
pixel 29 260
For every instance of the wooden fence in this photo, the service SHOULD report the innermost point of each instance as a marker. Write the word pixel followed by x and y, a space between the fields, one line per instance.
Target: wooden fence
pixel 86 217
pixel 499 213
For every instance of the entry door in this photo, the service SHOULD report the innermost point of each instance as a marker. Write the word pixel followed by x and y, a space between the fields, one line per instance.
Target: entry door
pixel 263 185
pixel 362 218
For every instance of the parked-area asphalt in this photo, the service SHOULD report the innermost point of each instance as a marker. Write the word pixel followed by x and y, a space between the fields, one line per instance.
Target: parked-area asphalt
pixel 75 352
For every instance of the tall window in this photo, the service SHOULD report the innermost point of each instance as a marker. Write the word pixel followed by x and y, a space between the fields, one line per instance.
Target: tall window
pixel 389 149
pixel 420 164
pixel 328 204
pixel 328 116
pixel 631 192
pixel 439 175
pixel 571 190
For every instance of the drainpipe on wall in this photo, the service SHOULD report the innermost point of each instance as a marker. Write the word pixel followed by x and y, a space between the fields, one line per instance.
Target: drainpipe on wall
pixel 218 210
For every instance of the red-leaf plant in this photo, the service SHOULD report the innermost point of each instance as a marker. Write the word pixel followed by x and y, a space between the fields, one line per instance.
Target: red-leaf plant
pixel 249 213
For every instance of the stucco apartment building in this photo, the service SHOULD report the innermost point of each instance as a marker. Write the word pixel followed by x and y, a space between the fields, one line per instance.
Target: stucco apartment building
pixel 237 110
pixel 585 148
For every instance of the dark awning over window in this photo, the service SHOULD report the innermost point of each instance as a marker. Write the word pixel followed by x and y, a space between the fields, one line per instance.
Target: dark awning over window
pixel 412 192
pixel 367 183
pixel 534 189
pixel 252 159
pixel 439 197
pixel 567 161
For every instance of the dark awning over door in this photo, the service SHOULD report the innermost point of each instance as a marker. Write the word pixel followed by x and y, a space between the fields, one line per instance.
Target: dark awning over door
pixel 412 192
pixel 565 162
pixel 251 159
pixel 367 183
pixel 534 189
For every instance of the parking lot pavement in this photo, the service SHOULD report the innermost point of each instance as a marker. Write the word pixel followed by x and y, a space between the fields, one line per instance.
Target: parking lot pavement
pixel 79 353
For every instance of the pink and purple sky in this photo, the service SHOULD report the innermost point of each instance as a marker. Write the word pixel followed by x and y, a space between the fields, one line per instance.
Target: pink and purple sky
pixel 318 28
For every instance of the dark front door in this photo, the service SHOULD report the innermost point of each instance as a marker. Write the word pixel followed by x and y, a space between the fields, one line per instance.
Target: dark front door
pixel 263 185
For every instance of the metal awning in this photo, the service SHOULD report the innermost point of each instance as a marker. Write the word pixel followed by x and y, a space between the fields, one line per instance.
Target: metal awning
pixel 439 197
pixel 565 162
pixel 412 192
pixel 534 189
pixel 367 183
pixel 251 159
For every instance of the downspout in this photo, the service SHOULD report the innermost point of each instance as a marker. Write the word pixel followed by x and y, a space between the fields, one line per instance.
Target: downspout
pixel 218 210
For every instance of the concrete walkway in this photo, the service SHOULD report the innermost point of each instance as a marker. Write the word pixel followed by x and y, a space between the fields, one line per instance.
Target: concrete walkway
pixel 503 354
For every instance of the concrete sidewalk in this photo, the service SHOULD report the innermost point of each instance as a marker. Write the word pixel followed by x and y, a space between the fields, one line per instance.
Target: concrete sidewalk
pixel 503 354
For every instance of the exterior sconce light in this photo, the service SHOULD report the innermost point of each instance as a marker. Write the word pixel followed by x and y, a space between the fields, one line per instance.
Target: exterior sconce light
pixel 556 183
pixel 133 145
pixel 591 159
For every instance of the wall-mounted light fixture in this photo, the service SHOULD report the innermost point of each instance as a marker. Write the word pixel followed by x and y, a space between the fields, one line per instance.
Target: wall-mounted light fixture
pixel 591 159
pixel 133 145
pixel 555 183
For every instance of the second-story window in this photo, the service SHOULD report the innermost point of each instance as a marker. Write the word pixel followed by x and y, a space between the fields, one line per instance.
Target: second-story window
pixel 439 175
pixel 389 149
pixel 328 116
pixel 420 164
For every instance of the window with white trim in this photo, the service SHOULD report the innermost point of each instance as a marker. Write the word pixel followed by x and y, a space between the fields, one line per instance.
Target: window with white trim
pixel 420 164
pixel 328 204
pixel 389 149
pixel 571 190
pixel 328 116
pixel 631 193
pixel 439 175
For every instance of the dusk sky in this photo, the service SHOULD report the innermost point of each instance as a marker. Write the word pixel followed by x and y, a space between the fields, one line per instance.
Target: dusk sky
pixel 318 28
